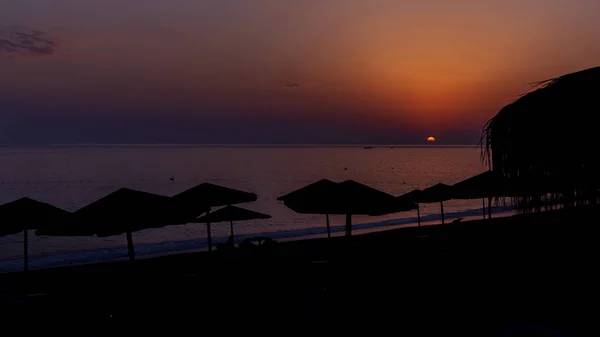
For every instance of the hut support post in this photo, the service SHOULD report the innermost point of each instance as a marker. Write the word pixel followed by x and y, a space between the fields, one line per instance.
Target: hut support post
pixel 489 207
pixel 328 229
pixel 130 249
pixel 25 251
pixel 348 224
pixel 418 216
pixel 442 209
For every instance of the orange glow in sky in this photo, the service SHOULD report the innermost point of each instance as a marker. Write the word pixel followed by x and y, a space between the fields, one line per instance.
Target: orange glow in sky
pixel 403 67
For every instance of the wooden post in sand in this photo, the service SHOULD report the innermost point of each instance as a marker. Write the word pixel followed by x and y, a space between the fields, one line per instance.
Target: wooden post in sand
pixel 25 255
pixel 130 249
pixel 208 233
pixel 328 229
pixel 442 209
pixel 348 225
pixel 209 237
pixel 483 203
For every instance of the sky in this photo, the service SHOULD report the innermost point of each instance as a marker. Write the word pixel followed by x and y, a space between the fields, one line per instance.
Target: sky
pixel 278 71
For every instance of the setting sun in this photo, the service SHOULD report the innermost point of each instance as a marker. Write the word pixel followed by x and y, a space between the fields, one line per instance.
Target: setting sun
pixel 431 139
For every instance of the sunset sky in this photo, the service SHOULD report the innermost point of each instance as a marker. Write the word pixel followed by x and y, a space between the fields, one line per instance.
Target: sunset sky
pixel 278 71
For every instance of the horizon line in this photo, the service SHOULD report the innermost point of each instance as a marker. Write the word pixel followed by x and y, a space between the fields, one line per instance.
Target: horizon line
pixel 237 145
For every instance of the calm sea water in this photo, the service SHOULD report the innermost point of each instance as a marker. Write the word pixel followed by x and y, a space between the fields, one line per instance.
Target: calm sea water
pixel 72 176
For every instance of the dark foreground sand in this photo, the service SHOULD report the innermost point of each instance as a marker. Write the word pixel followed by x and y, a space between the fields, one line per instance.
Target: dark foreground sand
pixel 476 278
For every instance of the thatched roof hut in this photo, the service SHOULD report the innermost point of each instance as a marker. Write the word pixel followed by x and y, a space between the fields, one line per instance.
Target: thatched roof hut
pixel 549 134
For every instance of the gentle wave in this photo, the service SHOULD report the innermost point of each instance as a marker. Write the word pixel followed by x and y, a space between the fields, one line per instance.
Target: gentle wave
pixel 154 249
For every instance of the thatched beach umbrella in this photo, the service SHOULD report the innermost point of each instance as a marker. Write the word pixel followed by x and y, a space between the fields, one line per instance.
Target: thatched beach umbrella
pixel 201 198
pixel 121 212
pixel 27 214
pixel 348 198
pixel 486 185
pixel 231 214
pixel 437 193
pixel 413 197
pixel 360 199
pixel 549 134
pixel 312 199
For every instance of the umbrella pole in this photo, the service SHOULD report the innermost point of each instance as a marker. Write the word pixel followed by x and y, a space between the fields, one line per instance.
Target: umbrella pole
pixel 442 208
pixel 348 225
pixel 209 236
pixel 130 250
pixel 483 202
pixel 489 207
pixel 418 216
pixel 328 229
pixel 208 233
pixel 26 254
pixel 231 227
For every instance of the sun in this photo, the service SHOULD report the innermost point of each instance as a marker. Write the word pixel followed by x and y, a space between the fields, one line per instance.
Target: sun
pixel 431 139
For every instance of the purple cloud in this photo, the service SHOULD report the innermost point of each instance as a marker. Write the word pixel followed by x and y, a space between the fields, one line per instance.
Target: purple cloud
pixel 28 43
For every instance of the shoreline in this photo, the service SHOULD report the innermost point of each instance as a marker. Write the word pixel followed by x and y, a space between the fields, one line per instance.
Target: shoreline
pixel 426 231
pixel 152 250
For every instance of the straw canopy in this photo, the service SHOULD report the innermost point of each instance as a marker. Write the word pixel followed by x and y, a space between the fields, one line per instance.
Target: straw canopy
pixel 232 213
pixel 199 199
pixel 310 190
pixel 122 211
pixel 346 198
pixel 125 210
pixel 550 133
pixel 436 193
pixel 413 196
pixel 26 214
pixel 360 199
pixel 313 198
pixel 489 184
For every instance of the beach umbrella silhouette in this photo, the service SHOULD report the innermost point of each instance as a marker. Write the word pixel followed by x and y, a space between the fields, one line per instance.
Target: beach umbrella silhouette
pixel 231 214
pixel 312 199
pixel 413 197
pixel 193 202
pixel 486 185
pixel 359 199
pixel 121 212
pixel 349 198
pixel 27 214
pixel 437 193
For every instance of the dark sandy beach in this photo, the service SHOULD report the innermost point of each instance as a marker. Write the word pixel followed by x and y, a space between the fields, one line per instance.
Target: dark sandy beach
pixel 477 277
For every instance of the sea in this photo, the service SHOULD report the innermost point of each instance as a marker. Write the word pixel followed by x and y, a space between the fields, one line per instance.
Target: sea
pixel 72 176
